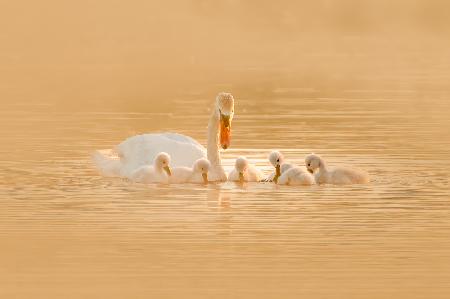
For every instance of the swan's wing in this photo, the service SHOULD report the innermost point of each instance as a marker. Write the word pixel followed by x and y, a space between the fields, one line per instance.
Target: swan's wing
pixel 107 163
pixel 142 149
pixel 180 138
pixel 142 174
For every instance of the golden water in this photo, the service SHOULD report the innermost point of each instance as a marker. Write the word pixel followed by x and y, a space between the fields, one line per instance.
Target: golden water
pixel 381 103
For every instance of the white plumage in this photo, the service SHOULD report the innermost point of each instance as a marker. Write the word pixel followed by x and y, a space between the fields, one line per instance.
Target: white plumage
pixel 277 160
pixel 159 172
pixel 244 172
pixel 335 175
pixel 197 174
pixel 140 150
pixel 296 176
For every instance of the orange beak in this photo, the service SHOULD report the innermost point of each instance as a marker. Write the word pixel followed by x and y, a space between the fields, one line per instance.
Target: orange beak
pixel 277 173
pixel 225 131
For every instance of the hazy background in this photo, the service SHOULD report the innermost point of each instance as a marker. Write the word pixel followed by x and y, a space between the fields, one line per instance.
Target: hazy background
pixel 130 52
pixel 363 83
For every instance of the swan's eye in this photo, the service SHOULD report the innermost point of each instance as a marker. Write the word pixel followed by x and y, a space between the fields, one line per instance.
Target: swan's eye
pixel 278 160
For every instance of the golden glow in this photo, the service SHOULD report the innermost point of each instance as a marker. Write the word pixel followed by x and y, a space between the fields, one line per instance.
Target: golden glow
pixel 364 83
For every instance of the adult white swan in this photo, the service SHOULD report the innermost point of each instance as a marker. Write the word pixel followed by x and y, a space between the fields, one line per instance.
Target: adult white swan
pixel 141 150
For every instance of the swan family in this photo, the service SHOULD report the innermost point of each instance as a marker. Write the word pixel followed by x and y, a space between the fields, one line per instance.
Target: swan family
pixel 175 158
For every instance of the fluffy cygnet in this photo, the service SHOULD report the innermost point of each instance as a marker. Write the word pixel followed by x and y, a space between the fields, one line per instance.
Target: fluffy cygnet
pixel 296 176
pixel 335 175
pixel 158 173
pixel 277 160
pixel 197 174
pixel 244 172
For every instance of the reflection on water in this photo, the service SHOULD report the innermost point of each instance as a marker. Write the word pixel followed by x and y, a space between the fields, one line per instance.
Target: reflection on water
pixel 361 84
pixel 67 232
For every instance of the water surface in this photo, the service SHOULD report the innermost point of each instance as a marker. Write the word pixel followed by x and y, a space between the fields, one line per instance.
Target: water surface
pixel 68 232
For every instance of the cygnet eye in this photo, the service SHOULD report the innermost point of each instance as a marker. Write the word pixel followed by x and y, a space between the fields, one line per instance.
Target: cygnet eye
pixel 278 160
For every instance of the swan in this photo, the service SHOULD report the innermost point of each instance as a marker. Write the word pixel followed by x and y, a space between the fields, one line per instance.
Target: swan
pixel 277 160
pixel 197 174
pixel 296 176
pixel 336 175
pixel 244 172
pixel 158 173
pixel 140 150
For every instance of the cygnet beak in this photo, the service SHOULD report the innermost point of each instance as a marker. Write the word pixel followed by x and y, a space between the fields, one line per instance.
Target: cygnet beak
pixel 167 170
pixel 205 177
pixel 241 177
pixel 277 173
pixel 310 170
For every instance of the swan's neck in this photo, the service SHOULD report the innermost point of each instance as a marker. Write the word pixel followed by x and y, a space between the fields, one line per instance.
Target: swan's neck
pixel 213 140
pixel 323 168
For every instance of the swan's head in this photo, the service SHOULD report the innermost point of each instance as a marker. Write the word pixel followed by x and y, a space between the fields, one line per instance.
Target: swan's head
pixel 241 166
pixel 313 162
pixel 276 159
pixel 202 166
pixel 162 161
pixel 225 110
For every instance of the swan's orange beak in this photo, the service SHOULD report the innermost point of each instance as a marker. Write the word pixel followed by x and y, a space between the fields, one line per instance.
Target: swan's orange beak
pixel 225 131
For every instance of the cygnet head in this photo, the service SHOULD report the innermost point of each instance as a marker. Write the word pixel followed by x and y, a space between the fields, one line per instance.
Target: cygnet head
pixel 162 161
pixel 241 166
pixel 313 162
pixel 225 111
pixel 276 158
pixel 202 166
